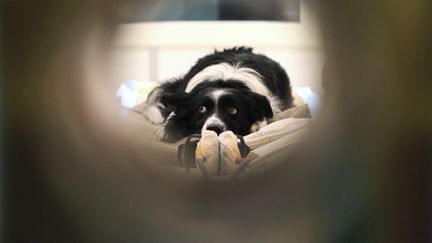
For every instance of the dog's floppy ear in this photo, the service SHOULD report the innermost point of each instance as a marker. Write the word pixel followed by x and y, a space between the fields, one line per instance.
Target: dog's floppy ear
pixel 260 106
pixel 176 101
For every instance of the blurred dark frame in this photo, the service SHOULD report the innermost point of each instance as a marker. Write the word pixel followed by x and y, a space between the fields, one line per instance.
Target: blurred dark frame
pixel 370 179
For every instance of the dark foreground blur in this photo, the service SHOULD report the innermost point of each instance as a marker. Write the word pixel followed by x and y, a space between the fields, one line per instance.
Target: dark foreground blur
pixel 70 175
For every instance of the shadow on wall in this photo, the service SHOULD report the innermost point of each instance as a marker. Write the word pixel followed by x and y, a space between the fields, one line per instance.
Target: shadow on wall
pixel 72 173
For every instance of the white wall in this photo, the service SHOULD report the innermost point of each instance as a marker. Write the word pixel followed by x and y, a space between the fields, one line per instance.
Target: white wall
pixel 157 51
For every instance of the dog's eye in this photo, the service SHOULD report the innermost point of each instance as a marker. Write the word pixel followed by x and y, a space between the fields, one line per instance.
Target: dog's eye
pixel 202 109
pixel 232 110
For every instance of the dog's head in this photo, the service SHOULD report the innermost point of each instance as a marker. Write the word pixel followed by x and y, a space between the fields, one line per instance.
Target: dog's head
pixel 217 106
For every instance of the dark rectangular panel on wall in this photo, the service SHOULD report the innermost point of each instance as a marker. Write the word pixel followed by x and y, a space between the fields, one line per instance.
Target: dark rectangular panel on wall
pixel 276 10
pixel 213 10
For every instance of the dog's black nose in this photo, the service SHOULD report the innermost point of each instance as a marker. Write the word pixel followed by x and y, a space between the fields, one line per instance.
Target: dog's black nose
pixel 216 128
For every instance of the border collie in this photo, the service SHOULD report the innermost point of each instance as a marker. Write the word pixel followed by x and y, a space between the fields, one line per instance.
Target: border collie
pixel 234 89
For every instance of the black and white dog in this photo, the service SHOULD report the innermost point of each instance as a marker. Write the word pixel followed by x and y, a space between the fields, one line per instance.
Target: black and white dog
pixel 234 89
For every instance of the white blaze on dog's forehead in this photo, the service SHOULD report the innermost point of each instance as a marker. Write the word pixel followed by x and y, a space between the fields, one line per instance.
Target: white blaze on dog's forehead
pixel 215 120
pixel 216 94
pixel 225 71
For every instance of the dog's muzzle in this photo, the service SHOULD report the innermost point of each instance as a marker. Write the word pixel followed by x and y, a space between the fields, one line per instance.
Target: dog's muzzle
pixel 218 128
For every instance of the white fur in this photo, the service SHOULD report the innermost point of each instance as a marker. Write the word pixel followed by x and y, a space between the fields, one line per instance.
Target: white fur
pixel 154 95
pixel 170 115
pixel 225 71
pixel 153 114
pixel 275 104
pixel 258 125
pixel 217 94
pixel 161 133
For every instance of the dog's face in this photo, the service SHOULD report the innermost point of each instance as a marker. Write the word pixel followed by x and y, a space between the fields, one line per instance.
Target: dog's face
pixel 215 108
